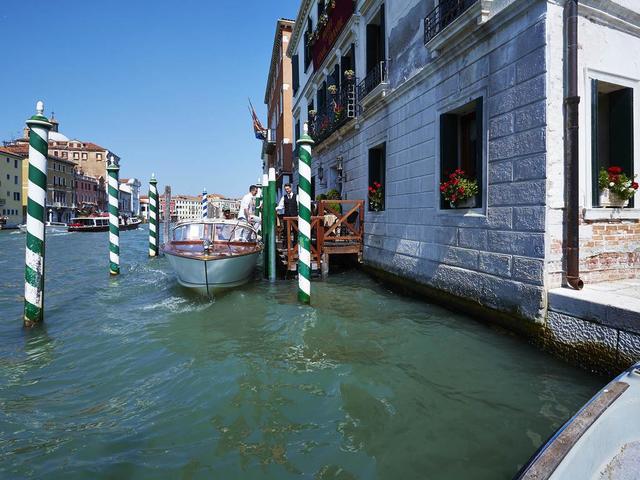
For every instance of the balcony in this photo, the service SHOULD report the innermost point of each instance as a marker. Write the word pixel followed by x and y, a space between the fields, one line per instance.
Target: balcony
pixel 376 80
pixel 341 107
pixel 445 13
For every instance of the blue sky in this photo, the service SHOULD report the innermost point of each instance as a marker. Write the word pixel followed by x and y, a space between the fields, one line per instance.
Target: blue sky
pixel 162 83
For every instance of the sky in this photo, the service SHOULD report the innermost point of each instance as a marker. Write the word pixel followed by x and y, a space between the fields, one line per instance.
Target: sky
pixel 163 83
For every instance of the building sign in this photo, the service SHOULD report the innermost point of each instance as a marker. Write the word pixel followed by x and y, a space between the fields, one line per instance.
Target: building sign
pixel 327 35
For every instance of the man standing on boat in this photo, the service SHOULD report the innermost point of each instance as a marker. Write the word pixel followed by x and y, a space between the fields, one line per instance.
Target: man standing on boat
pixel 288 206
pixel 248 207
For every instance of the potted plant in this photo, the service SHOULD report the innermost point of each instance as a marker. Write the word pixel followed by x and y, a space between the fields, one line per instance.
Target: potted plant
pixel 338 110
pixel 616 188
pixel 376 197
pixel 459 190
pixel 349 74
pixel 332 89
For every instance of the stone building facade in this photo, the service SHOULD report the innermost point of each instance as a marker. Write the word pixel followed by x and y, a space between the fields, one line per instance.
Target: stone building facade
pixel 475 84
pixel 10 188
pixel 278 148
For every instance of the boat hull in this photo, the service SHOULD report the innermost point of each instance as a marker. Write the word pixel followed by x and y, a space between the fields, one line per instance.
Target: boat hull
pixel 208 276
pixel 601 441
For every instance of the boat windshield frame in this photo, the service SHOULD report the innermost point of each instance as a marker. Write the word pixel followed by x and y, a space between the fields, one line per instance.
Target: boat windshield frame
pixel 216 232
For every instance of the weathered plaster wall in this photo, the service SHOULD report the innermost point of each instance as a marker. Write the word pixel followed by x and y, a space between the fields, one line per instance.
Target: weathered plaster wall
pixel 609 244
pixel 494 255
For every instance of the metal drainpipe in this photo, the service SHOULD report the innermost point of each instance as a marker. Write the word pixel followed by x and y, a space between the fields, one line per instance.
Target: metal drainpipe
pixel 571 101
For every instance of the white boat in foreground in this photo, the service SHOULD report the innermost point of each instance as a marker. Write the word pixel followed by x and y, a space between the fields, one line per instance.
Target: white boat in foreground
pixel 50 227
pixel 602 441
pixel 210 254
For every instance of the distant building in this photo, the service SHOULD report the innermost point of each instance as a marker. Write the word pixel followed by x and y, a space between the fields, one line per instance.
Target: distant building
pixel 10 188
pixel 124 200
pixel 217 204
pixel 90 193
pixel 132 186
pixel 90 157
pixel 60 183
pixel 144 207
pixel 277 148
pixel 172 208
pixel 188 207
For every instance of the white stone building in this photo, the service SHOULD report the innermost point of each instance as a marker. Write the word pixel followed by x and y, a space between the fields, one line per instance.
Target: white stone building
pixel 187 207
pixel 217 205
pixel 132 187
pixel 478 85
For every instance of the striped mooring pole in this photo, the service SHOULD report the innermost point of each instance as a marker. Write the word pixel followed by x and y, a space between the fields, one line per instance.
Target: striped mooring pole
pixel 153 216
pixel 39 127
pixel 114 214
pixel 271 208
pixel 205 211
pixel 304 216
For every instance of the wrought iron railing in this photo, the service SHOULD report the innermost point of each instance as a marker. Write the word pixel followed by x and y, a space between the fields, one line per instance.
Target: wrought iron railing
pixel 375 77
pixel 341 107
pixel 444 14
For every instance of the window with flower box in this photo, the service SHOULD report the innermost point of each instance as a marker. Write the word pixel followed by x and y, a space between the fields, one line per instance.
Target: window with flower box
pixel 461 153
pixel 377 177
pixel 611 136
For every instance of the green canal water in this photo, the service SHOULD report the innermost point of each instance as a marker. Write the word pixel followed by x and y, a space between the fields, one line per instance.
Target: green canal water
pixel 136 378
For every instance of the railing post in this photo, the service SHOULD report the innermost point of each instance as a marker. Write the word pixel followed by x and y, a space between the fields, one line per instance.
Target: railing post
pixel 304 217
pixel 153 216
pixel 114 216
pixel 39 127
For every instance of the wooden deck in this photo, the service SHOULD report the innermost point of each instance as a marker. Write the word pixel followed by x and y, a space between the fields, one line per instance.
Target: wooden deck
pixel 337 229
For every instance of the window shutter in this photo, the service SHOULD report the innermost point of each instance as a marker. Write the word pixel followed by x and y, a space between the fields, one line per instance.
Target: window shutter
pixel 621 129
pixel 381 36
pixel 372 46
pixel 295 73
pixel 479 145
pixel 448 148
pixel 595 159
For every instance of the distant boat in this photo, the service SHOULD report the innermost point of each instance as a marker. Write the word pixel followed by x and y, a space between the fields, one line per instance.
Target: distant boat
pixel 212 254
pixel 50 227
pixel 100 223
pixel 601 441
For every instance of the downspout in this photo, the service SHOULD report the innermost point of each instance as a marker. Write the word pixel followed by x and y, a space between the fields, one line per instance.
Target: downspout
pixel 571 158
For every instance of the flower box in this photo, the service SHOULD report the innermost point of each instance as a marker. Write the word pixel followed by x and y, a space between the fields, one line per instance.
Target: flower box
pixel 466 203
pixel 612 199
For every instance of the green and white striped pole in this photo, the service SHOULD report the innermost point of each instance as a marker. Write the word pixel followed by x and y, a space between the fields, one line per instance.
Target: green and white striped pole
pixel 114 214
pixel 153 216
pixel 304 216
pixel 271 208
pixel 265 223
pixel 39 127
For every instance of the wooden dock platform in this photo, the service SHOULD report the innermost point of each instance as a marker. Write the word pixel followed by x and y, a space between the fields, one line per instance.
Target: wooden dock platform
pixel 336 229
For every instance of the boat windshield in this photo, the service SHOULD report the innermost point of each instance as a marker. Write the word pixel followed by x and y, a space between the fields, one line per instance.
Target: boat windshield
pixel 218 232
pixel 83 221
pixel 191 231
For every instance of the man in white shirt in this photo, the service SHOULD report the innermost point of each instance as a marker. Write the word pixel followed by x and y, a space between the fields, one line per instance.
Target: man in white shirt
pixel 248 207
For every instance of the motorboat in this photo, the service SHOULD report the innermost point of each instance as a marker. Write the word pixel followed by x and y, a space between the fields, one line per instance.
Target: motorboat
pixel 601 441
pixel 50 227
pixel 209 255
pixel 100 223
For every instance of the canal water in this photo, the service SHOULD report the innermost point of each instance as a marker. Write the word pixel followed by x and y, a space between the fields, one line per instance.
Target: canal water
pixel 135 377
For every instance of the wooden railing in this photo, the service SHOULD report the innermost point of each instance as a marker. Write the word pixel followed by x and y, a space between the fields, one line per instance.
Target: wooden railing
pixel 337 227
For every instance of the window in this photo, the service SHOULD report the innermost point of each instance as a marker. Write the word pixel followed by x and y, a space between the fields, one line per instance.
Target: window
pixel 98 156
pixel 64 154
pixel 307 48
pixel 16 196
pixel 15 163
pixel 377 170
pixel 295 74
pixel 611 131
pixel 461 141
pixel 15 180
pixel 76 155
pixel 84 156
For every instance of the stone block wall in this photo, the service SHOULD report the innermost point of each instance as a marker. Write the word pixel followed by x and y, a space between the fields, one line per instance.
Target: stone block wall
pixel 494 255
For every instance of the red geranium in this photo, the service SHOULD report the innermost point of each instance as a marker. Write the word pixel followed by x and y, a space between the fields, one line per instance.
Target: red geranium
pixel 614 170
